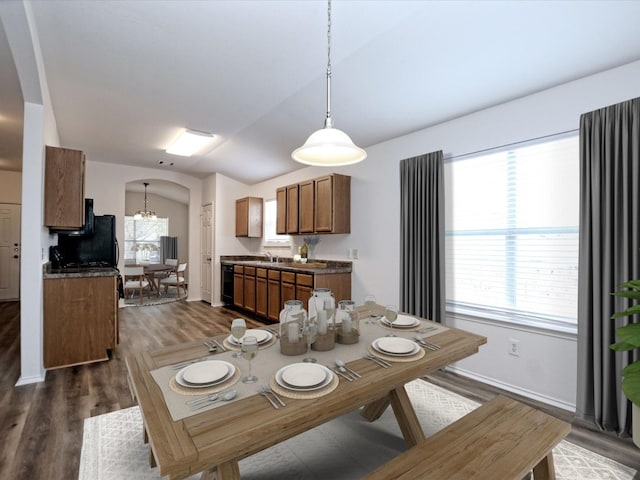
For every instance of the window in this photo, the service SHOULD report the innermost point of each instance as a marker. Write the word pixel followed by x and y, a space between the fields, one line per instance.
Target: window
pixel 270 235
pixel 512 234
pixel 142 238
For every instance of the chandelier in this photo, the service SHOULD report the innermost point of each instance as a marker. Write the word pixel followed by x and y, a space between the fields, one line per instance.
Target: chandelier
pixel 329 147
pixel 145 214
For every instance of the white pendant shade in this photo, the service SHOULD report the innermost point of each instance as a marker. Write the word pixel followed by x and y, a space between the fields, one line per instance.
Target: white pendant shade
pixel 329 147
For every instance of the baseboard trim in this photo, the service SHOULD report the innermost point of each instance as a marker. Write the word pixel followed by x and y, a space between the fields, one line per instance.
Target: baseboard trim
pixel 511 388
pixel 31 379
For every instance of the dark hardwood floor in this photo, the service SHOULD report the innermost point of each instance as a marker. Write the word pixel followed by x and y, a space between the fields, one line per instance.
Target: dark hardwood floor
pixel 41 424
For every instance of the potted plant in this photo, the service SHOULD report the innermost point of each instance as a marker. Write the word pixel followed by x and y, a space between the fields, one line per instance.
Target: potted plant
pixel 630 339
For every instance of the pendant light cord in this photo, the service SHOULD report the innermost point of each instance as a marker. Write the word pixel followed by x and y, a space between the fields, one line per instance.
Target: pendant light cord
pixel 328 123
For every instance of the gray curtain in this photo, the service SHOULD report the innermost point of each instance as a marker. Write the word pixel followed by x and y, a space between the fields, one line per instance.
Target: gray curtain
pixel 422 289
pixel 609 256
pixel 168 248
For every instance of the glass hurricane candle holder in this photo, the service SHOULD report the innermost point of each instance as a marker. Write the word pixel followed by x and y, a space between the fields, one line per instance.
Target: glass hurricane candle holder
pixel 347 323
pixel 322 307
pixel 292 319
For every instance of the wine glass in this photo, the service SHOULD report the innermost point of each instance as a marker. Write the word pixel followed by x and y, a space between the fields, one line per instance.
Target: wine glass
pixel 249 350
pixel 370 303
pixel 391 314
pixel 309 332
pixel 238 328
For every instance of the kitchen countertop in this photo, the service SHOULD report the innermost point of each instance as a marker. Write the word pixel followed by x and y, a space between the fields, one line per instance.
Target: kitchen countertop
pixel 80 272
pixel 317 267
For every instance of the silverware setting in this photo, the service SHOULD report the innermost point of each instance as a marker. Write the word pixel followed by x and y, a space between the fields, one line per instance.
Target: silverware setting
pixel 345 369
pixel 180 365
pixel 210 345
pixel 423 343
pixel 379 361
pixel 214 397
pixel 427 329
pixel 268 389
pixel 220 346
pixel 265 394
pixel 342 374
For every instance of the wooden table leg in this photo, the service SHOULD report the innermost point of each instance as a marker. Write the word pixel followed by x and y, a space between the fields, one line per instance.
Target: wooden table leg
pixel 226 471
pixel 375 409
pixel 545 469
pixel 406 416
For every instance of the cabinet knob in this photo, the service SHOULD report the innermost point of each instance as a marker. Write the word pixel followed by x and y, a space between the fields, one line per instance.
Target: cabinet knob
pixel 16 256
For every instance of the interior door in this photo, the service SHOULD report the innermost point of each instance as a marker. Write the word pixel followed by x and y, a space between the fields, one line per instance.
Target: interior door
pixel 9 251
pixel 207 251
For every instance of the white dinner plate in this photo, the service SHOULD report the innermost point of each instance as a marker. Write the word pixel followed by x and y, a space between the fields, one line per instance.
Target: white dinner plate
pixel 304 376
pixel 261 335
pixel 403 321
pixel 204 374
pixel 395 346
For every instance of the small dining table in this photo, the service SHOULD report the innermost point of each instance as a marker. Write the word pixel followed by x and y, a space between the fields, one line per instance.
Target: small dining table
pixel 150 270
pixel 214 441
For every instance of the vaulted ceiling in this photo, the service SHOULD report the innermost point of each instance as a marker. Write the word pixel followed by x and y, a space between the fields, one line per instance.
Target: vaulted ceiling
pixel 126 76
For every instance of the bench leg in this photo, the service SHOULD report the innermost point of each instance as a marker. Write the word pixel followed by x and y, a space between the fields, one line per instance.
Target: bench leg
pixel 226 471
pixel 545 470
pixel 406 417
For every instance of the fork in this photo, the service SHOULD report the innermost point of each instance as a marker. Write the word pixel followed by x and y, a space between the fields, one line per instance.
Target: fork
pixel 425 344
pixel 379 361
pixel 211 346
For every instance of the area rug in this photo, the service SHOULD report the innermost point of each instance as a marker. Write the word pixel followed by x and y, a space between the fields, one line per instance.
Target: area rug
pixel 153 299
pixel 344 449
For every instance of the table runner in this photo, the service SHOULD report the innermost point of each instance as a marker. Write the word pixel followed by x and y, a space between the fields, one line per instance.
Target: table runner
pixel 270 360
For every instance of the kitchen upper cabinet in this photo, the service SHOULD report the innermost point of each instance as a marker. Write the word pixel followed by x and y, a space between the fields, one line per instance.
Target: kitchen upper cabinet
pixel 64 188
pixel 333 204
pixel 281 212
pixel 319 205
pixel 292 208
pixel 249 217
pixel 306 206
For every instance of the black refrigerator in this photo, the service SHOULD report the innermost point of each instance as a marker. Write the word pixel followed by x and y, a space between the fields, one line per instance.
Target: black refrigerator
pixel 97 249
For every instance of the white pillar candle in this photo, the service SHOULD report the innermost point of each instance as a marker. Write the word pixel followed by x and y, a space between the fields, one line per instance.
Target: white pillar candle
pixel 346 323
pixel 293 334
pixel 322 322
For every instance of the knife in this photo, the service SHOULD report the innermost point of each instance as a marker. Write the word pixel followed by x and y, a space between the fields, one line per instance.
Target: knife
pixel 221 347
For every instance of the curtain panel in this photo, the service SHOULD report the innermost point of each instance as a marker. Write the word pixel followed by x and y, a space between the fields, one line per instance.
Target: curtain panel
pixel 609 254
pixel 422 274
pixel 168 248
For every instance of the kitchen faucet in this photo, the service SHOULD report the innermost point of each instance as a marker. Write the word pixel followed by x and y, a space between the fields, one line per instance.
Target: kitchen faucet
pixel 269 256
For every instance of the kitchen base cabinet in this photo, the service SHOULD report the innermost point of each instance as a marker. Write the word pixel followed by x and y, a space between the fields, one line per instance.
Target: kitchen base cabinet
pixel 287 287
pixel 80 320
pixel 261 292
pixel 274 305
pixel 250 289
pixel 238 286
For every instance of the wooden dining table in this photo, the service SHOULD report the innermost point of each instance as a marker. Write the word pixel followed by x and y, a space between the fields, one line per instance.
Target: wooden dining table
pixel 150 271
pixel 214 441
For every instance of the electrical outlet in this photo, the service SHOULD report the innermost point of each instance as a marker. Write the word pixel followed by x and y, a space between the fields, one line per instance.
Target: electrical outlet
pixel 514 347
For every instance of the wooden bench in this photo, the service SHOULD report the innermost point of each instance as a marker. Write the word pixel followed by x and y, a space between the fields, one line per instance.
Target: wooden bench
pixel 501 440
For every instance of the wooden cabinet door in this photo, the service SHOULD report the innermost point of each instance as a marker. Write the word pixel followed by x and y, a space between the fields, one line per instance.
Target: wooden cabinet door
pixel 324 204
pixel 242 217
pixel 80 318
pixel 306 206
pixel 304 288
pixel 250 289
pixel 261 292
pixel 274 304
pixel 292 208
pixel 64 188
pixel 238 286
pixel 281 211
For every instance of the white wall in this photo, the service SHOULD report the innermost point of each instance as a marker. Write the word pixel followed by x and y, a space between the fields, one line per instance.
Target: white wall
pixel 106 184
pixel 546 368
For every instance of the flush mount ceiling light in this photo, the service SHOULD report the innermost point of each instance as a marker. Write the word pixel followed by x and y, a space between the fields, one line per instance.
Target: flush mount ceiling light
pixel 145 214
pixel 189 142
pixel 329 147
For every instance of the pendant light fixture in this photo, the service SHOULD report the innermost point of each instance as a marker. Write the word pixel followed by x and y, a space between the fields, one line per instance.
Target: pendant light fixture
pixel 145 214
pixel 329 147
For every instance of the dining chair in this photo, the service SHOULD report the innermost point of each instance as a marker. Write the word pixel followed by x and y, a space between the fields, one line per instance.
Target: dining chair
pixel 176 279
pixel 172 262
pixel 135 279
